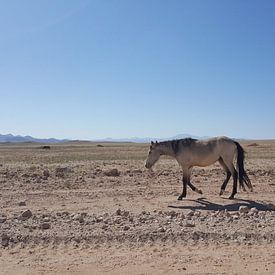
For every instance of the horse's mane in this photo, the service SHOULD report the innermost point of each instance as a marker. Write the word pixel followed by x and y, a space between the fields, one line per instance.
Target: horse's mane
pixel 177 144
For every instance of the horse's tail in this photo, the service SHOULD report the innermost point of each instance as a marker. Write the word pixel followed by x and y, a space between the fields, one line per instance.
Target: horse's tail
pixel 243 177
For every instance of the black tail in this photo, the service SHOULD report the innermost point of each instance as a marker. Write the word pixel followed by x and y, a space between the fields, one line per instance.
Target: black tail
pixel 243 177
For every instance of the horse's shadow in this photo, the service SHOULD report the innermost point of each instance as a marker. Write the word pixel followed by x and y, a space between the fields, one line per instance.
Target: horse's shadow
pixel 204 204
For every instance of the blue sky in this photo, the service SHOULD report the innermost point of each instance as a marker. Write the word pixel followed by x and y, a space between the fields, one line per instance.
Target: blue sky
pixel 122 68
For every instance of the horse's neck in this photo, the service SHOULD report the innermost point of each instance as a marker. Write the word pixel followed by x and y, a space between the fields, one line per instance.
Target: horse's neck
pixel 168 151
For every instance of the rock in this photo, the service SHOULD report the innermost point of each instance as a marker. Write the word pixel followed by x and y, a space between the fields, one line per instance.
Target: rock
pixel 125 213
pixel 118 212
pixel 172 214
pixel 196 236
pixel 254 210
pixel 137 171
pixel 161 229
pixel 26 214
pixel 79 217
pixel 189 224
pixel 112 173
pixel 126 227
pixel 197 213
pixel 243 209
pixel 3 219
pixel 46 174
pixel 226 213
pixel 46 219
pixel 22 203
pixel 190 213
pixel 5 240
pixel 99 219
pixel 104 226
pixel 61 171
pixel 45 226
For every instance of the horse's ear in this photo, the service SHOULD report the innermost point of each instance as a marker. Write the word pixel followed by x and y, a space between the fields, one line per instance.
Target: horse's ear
pixel 152 142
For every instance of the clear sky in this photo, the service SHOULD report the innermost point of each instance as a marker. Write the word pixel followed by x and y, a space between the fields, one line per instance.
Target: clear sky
pixel 122 68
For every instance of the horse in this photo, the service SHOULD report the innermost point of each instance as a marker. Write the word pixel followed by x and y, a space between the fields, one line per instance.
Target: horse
pixel 191 152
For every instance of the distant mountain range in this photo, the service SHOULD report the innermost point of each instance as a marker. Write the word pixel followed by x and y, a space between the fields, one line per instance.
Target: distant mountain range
pixel 15 139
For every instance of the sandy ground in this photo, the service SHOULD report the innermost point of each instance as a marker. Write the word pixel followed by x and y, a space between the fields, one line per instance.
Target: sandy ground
pixel 65 211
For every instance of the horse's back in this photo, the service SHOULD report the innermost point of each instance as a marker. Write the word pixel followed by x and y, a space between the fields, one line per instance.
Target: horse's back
pixel 207 152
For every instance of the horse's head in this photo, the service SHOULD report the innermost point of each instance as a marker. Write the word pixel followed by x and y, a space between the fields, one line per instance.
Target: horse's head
pixel 153 155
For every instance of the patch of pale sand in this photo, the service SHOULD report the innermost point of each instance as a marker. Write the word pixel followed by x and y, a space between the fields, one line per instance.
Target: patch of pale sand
pixel 156 259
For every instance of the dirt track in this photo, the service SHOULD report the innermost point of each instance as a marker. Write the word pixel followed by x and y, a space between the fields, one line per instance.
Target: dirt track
pixel 65 210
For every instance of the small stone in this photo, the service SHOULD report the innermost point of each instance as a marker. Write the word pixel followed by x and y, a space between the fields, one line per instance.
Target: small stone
pixel 46 174
pixel 45 225
pixel 46 219
pixel 161 229
pixel 22 203
pixel 104 226
pixel 190 213
pixel 126 227
pixel 99 219
pixel 243 209
pixel 112 173
pixel 254 210
pixel 118 212
pixel 137 171
pixel 79 217
pixel 3 219
pixel 26 214
pixel 197 213
pixel 189 224
pixel 172 214
pixel 61 171
pixel 5 240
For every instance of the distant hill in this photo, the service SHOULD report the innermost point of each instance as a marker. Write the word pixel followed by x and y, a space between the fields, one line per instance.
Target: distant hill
pixel 15 139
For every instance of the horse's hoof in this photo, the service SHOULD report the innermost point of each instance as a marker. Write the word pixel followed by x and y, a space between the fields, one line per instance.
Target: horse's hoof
pixel 198 191
pixel 221 192
pixel 179 198
pixel 231 198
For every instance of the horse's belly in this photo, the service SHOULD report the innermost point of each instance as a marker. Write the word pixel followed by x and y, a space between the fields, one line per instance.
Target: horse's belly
pixel 205 161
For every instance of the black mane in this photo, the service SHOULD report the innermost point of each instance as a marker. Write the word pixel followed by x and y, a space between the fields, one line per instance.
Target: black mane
pixel 176 144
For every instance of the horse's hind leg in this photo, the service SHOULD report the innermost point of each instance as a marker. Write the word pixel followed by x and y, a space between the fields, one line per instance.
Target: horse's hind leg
pixel 194 188
pixel 228 175
pixel 235 177
pixel 185 181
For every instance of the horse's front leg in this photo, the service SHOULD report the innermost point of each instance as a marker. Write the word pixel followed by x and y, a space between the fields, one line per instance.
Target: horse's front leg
pixel 184 187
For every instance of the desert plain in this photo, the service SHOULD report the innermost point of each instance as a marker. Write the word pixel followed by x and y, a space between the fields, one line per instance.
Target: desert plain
pixel 93 208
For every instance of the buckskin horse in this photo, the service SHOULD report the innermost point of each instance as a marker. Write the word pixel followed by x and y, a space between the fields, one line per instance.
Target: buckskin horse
pixel 191 152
